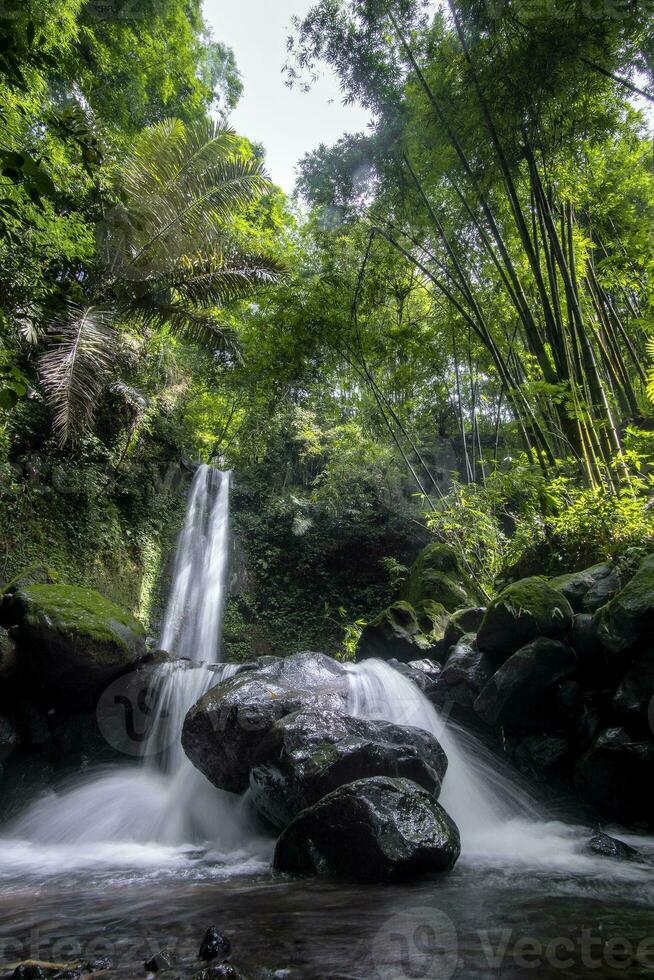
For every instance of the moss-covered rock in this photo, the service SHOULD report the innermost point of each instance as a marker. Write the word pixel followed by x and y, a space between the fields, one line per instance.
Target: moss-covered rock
pixel 630 614
pixel 398 633
pixel 524 611
pixel 72 640
pixel 461 623
pixel 589 589
pixel 436 575
pixel 33 575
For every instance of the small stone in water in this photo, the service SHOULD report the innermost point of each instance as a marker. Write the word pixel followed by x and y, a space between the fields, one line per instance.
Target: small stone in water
pixel 214 945
pixel 611 847
pixel 160 961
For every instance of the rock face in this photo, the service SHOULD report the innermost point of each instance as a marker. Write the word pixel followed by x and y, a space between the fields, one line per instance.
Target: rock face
pixel 223 731
pixel 376 829
pixel 633 698
pixel 588 590
pixel 397 633
pixel 71 640
pixel 516 693
pixel 437 576
pixel 616 775
pixel 630 613
pixel 465 673
pixel 521 613
pixel 307 755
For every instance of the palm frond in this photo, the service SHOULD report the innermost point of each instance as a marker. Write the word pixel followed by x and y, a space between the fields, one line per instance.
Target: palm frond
pixel 74 370
pixel 179 185
pixel 199 326
pixel 214 280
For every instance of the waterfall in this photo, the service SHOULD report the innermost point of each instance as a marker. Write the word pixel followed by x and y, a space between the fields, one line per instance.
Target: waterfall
pixel 191 626
pixel 162 809
pixel 500 822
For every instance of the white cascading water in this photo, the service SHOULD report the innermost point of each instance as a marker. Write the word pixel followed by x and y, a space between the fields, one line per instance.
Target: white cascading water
pixel 158 812
pixel 500 823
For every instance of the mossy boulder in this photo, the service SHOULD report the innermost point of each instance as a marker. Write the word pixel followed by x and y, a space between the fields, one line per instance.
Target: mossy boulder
pixel 71 640
pixel 589 589
pixel 436 575
pixel 403 633
pixel 463 622
pixel 376 829
pixel 524 611
pixel 630 614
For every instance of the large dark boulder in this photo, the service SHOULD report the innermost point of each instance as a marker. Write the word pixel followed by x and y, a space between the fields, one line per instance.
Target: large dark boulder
pixel 630 614
pixel 400 634
pixel 541 755
pixel 376 829
pixel 616 775
pixel 522 612
pixel 633 698
pixel 517 693
pixel 589 589
pixel 71 641
pixel 223 731
pixel 308 755
pixel 465 673
pixel 437 575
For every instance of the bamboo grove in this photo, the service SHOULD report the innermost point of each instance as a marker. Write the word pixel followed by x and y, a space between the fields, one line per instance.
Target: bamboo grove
pixel 511 168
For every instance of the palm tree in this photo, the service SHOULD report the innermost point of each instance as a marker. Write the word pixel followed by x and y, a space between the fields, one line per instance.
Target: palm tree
pixel 168 256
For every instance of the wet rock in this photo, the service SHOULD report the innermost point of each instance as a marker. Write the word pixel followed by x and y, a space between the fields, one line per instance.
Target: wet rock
pixel 541 755
pixel 616 775
pixel 308 755
pixel 465 673
pixel 463 622
pixel 376 829
pixel 611 847
pixel 163 960
pixel 589 589
pixel 516 693
pixel 436 575
pixel 44 970
pixel 72 641
pixel 633 699
pixel 630 614
pixel 397 633
pixel 214 945
pixel 224 971
pixel 521 613
pixel 223 731
pixel 424 673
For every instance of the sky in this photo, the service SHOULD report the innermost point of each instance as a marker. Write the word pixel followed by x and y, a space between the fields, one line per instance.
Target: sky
pixel 289 123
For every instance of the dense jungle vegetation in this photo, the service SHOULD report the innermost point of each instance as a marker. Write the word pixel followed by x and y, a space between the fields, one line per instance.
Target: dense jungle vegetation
pixel 446 333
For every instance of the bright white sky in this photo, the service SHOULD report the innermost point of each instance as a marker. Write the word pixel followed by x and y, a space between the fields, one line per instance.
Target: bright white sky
pixel 289 123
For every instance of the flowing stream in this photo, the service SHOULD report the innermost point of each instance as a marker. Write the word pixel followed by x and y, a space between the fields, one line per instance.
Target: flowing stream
pixel 67 859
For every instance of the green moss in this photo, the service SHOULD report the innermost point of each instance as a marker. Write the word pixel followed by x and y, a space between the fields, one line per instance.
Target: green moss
pixel 436 575
pixel 34 575
pixel 524 611
pixel 75 611
pixel 619 623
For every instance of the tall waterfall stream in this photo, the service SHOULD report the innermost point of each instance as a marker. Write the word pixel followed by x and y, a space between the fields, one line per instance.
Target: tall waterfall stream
pixel 97 855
